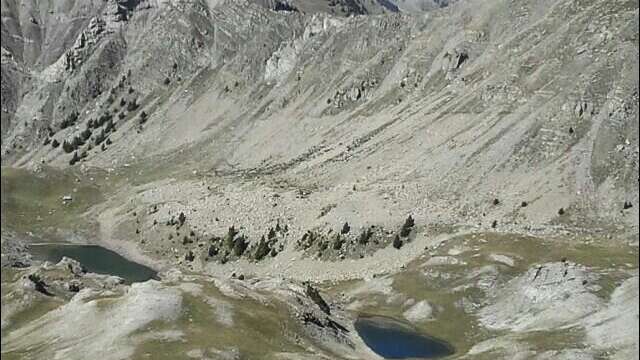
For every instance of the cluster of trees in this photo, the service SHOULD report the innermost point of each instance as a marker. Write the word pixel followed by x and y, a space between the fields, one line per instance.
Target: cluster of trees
pixel 233 244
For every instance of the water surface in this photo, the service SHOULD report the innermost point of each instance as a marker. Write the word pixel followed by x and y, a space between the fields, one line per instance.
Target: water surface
pixel 95 259
pixel 392 339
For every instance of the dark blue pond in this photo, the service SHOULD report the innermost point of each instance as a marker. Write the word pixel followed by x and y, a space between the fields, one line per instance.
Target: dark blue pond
pixel 95 259
pixel 395 340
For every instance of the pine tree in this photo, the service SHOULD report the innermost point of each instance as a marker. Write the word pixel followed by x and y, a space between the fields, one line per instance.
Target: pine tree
pixel 74 159
pixel 262 249
pixel 345 228
pixel 397 243
pixel 67 147
pixel 99 138
pixel 239 246
pixel 407 226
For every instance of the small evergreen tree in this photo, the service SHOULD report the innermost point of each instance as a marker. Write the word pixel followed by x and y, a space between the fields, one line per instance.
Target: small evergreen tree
pixel 239 246
pixel 345 228
pixel 365 235
pixel 143 117
pixel 407 226
pixel 231 234
pixel 85 135
pixel 99 138
pixel 397 243
pixel 262 249
pixel 213 251
pixel 67 147
pixel 338 242
pixel 74 159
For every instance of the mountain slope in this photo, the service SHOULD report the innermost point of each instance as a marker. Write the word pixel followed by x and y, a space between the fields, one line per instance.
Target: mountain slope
pixel 472 102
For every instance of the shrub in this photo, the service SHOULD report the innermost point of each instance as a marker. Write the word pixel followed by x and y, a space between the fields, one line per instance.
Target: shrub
pixel 55 143
pixel 496 202
pixel 561 211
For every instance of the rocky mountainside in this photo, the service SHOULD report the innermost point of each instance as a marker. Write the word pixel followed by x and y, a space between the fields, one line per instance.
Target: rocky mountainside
pixel 476 101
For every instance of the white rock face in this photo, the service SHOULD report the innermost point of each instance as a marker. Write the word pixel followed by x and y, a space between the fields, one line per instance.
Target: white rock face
pixel 616 326
pixel 85 329
pixel 420 311
pixel 443 260
pixel 546 297
pixel 502 259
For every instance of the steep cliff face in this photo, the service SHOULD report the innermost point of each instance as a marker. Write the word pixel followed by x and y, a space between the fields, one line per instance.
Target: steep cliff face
pixel 529 101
